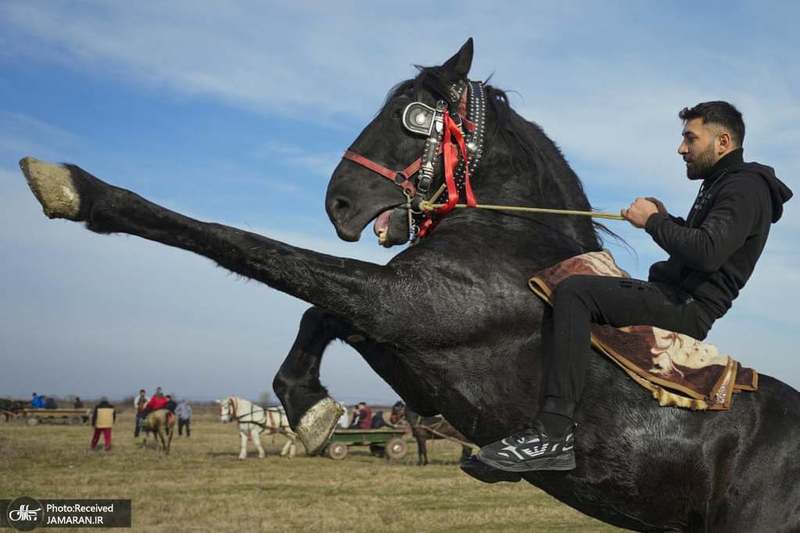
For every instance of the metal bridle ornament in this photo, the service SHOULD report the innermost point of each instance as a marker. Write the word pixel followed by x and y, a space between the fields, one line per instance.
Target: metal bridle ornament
pixel 454 129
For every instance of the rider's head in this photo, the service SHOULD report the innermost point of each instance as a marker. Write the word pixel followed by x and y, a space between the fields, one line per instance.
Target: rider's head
pixel 711 130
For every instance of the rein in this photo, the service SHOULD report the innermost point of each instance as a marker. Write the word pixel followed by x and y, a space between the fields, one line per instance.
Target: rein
pixel 428 206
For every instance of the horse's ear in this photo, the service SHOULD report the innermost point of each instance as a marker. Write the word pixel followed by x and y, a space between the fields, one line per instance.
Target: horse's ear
pixel 459 64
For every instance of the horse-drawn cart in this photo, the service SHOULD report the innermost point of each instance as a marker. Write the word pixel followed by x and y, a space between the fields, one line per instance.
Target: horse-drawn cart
pixel 386 442
pixel 67 416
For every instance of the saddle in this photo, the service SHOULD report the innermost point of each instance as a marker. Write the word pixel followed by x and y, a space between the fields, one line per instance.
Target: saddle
pixel 677 369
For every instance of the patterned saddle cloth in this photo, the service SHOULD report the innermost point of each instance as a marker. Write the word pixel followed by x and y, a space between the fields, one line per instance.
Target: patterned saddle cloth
pixel 679 370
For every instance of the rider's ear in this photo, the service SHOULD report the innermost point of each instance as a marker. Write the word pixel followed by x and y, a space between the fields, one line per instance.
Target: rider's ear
pixel 458 65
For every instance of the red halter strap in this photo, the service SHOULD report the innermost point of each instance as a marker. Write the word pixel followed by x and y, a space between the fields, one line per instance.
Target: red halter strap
pixel 401 178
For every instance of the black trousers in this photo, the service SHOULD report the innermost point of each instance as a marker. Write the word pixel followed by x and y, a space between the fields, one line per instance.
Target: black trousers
pixel 579 301
pixel 184 422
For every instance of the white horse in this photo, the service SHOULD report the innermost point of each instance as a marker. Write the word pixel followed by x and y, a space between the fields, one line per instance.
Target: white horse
pixel 254 420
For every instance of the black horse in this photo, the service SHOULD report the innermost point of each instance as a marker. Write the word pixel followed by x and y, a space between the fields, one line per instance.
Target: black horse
pixel 450 324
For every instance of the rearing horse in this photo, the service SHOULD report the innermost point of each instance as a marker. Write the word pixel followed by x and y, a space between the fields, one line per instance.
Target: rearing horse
pixel 450 324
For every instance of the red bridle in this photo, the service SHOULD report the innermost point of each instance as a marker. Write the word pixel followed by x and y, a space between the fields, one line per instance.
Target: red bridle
pixel 451 147
pixel 401 178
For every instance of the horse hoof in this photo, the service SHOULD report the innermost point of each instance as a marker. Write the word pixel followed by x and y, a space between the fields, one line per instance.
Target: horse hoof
pixel 53 187
pixel 317 425
pixel 485 473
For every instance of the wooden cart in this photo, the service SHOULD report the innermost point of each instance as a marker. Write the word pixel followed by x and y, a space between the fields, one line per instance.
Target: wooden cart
pixel 386 442
pixel 67 416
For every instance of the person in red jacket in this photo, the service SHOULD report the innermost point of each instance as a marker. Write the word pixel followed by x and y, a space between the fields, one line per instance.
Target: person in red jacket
pixel 362 417
pixel 157 401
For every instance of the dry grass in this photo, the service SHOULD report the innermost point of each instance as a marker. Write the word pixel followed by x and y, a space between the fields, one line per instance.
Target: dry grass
pixel 202 486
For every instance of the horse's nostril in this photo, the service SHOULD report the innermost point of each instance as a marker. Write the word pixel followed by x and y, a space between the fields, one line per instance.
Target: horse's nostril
pixel 339 206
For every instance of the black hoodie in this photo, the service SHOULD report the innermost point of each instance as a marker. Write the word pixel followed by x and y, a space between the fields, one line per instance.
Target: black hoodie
pixel 714 251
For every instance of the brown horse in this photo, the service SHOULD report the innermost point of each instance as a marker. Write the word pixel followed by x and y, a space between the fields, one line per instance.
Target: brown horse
pixel 158 423
pixel 426 428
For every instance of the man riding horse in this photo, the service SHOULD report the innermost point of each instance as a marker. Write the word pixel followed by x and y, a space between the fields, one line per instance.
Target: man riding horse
pixel 711 256
pixel 444 320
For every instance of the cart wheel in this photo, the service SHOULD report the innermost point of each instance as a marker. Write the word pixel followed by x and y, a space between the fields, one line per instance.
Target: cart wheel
pixel 337 450
pixel 396 449
pixel 32 421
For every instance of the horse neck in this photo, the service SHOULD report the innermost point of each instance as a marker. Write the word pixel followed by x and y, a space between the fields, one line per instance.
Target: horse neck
pixel 507 176
pixel 243 406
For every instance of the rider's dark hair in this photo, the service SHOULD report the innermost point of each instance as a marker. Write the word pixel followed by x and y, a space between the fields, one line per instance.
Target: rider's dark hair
pixel 719 113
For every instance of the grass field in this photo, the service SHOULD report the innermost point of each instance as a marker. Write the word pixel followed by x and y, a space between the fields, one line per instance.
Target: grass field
pixel 203 486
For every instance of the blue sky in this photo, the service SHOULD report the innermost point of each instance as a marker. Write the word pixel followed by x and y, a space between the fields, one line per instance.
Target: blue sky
pixel 238 112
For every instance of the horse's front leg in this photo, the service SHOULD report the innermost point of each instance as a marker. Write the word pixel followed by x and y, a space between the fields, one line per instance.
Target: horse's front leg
pixel 289 448
pixel 162 440
pixel 312 413
pixel 243 450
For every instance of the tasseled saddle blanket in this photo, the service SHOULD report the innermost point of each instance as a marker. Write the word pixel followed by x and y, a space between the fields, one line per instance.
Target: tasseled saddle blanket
pixel 676 368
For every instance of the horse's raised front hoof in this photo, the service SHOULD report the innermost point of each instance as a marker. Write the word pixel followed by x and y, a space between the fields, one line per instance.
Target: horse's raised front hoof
pixel 485 473
pixel 54 187
pixel 317 425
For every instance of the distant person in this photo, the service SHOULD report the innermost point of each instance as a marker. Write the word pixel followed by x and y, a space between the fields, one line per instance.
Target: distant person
pixel 139 404
pixel 103 417
pixel 344 419
pixel 171 405
pixel 362 417
pixel 398 416
pixel 77 404
pixel 184 413
pixel 156 402
pixel 37 401
pixel 50 403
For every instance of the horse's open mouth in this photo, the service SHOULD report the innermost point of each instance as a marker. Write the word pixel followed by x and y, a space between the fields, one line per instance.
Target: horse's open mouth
pixel 391 226
pixel 381 225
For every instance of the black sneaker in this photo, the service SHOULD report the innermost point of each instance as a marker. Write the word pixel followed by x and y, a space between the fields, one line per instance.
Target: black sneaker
pixel 531 449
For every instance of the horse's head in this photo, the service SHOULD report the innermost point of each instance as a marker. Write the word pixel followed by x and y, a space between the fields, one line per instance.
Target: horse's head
pixel 413 154
pixel 373 181
pixel 227 409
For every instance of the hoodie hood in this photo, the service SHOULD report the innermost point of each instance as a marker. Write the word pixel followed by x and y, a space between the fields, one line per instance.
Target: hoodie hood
pixel 778 190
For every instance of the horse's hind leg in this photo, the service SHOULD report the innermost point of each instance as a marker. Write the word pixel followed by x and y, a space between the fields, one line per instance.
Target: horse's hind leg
pixel 256 436
pixel 311 412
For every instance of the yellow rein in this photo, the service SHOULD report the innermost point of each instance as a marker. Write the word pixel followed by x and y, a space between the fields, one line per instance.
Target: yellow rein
pixel 428 206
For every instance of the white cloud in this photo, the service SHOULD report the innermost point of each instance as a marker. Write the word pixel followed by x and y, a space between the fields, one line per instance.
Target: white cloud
pixel 23 134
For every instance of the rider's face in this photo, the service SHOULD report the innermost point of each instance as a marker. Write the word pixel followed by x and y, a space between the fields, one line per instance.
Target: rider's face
pixel 699 148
